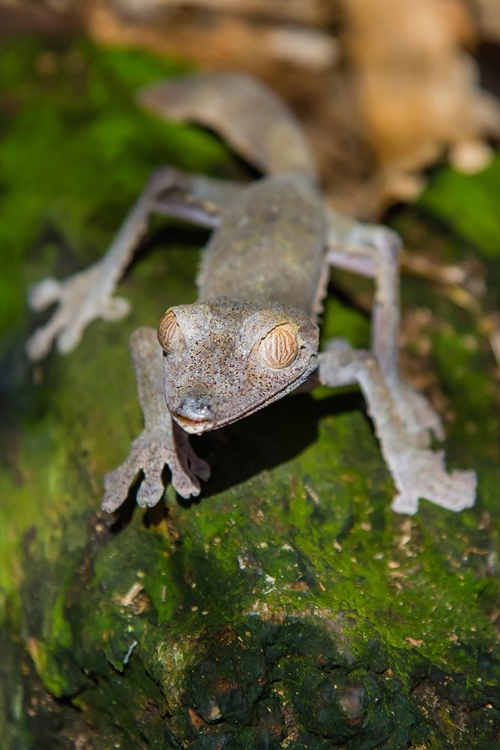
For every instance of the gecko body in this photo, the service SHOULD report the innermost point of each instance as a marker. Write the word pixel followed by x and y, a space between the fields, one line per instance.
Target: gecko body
pixel 252 337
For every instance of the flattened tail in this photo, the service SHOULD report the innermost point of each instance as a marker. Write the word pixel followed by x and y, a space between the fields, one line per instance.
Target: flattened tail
pixel 245 112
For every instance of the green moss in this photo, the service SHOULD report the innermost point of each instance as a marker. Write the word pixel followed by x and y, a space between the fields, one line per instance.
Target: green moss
pixel 469 203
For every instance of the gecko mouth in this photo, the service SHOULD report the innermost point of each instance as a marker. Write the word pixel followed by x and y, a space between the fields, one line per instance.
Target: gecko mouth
pixel 193 426
pixel 197 426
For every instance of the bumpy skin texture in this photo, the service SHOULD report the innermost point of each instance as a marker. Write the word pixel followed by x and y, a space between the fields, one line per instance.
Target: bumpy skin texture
pixel 252 338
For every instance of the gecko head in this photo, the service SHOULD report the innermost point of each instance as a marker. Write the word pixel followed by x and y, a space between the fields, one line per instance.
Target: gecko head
pixel 225 358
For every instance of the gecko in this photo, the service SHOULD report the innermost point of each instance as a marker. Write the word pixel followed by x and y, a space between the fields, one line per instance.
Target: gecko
pixel 252 336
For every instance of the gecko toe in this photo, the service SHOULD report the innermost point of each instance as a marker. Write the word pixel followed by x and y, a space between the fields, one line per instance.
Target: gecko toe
pixel 43 294
pixel 151 491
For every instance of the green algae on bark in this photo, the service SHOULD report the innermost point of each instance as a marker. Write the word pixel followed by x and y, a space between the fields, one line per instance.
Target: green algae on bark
pixel 288 607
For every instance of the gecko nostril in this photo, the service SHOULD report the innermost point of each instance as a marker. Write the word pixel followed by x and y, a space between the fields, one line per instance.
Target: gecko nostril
pixel 196 408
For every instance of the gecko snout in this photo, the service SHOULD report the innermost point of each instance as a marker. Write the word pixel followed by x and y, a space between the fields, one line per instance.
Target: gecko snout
pixel 194 413
pixel 195 407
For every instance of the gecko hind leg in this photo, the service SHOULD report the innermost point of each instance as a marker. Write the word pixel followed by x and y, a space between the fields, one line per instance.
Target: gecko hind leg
pixel 417 471
pixel 374 251
pixel 88 294
pixel 161 443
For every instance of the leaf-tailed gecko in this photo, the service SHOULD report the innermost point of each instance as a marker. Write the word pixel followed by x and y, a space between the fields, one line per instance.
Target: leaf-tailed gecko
pixel 252 337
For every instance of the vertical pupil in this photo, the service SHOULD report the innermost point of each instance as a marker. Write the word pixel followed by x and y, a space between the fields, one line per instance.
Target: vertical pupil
pixel 280 347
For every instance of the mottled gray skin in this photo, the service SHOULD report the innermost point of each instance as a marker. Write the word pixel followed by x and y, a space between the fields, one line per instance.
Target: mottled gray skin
pixel 252 338
pixel 270 245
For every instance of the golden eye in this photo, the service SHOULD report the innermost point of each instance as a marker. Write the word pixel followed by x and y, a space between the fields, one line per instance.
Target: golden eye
pixel 170 335
pixel 280 347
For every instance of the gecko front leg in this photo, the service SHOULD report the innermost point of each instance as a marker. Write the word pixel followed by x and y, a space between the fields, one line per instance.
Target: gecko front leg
pixel 161 443
pixel 417 471
pixel 88 295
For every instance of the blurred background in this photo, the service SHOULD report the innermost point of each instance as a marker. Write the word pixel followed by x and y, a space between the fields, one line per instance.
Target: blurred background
pixel 384 88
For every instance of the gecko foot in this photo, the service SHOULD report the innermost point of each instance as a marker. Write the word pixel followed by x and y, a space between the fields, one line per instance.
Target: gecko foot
pixel 161 443
pixel 151 452
pixel 81 298
pixel 421 473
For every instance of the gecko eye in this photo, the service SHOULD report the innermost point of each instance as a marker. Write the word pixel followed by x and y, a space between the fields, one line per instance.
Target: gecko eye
pixel 280 347
pixel 170 335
